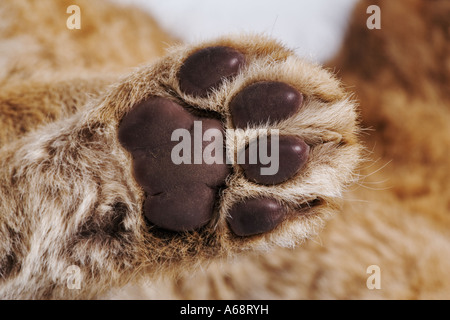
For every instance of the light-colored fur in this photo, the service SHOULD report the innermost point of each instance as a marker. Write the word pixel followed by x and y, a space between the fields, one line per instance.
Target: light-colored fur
pixel 67 195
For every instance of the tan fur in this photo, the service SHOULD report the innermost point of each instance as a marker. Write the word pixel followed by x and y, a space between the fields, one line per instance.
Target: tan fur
pixel 67 196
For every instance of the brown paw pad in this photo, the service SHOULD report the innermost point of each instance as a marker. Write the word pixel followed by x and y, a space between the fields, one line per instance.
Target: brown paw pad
pixel 180 196
pixel 263 102
pixel 287 156
pixel 254 216
pixel 207 68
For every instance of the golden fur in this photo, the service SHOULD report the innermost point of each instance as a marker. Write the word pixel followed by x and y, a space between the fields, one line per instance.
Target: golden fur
pixel 64 199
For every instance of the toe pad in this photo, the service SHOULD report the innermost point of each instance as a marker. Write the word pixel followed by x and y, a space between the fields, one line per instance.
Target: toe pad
pixel 255 216
pixel 263 102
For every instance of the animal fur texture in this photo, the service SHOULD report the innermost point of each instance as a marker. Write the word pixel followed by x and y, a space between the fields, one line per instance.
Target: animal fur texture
pixel 68 197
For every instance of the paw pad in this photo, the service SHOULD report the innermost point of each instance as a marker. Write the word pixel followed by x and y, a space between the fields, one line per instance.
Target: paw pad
pixel 206 69
pixel 263 102
pixel 254 216
pixel 183 196
pixel 180 197
pixel 292 155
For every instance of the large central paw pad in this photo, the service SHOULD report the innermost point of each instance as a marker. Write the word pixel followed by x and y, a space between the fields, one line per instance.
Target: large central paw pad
pixel 180 196
pixel 179 157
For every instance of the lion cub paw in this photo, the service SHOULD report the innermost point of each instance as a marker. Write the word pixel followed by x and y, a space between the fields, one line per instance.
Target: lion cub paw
pixel 236 141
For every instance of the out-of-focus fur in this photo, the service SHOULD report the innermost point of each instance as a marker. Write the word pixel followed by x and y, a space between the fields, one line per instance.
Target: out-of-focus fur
pixel 397 217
